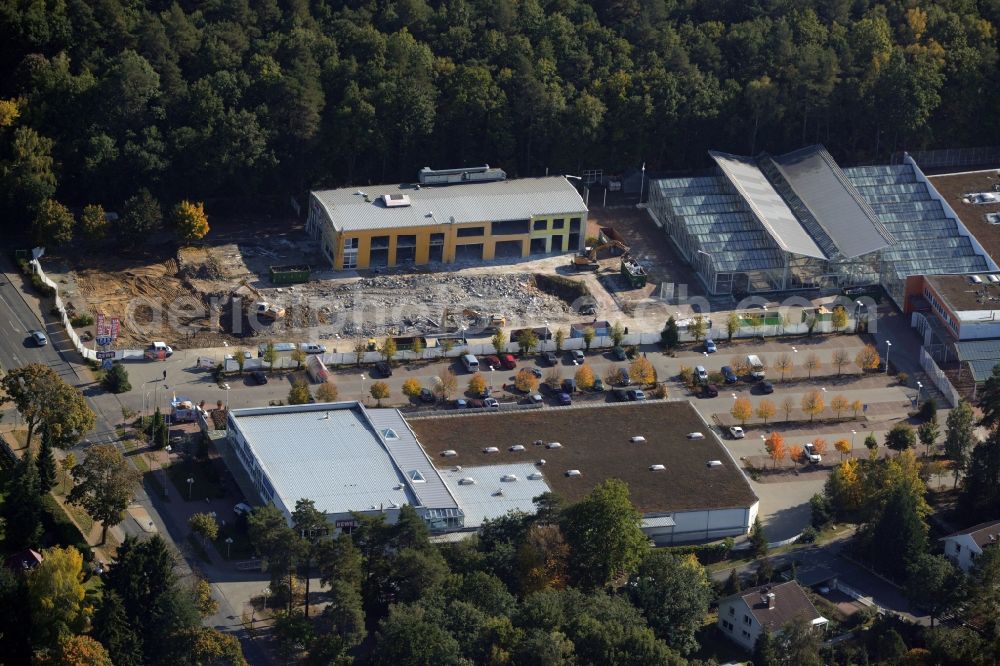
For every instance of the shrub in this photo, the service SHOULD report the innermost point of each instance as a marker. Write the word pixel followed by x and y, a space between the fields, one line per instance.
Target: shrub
pixel 41 287
pixel 928 410
pixel 116 379
pixel 808 535
pixel 902 378
pixel 81 320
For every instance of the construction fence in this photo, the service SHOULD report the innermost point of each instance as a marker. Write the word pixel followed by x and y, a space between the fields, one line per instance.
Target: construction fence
pixel 88 354
pixel 938 378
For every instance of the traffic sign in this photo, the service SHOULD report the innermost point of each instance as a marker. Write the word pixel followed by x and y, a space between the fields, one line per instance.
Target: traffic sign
pixel 103 355
pixel 115 326
pixel 107 364
pixel 103 340
pixel 101 324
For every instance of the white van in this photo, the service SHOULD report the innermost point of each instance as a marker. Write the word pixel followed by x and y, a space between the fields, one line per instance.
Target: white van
pixel 470 362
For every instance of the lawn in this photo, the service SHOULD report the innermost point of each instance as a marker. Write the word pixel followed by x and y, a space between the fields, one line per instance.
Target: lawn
pixel 206 479
pixel 132 447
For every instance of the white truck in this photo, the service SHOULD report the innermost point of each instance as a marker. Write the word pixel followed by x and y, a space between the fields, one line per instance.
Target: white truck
pixel 756 366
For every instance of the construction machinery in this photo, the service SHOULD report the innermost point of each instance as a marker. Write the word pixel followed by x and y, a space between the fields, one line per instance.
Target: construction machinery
pixel 587 260
pixel 485 322
pixel 267 310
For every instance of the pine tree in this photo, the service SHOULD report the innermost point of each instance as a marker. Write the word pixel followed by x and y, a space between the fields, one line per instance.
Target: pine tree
pixel 758 539
pixel 22 507
pixel 46 463
pixel 116 632
pixel 732 583
pixel 981 486
pixel 764 651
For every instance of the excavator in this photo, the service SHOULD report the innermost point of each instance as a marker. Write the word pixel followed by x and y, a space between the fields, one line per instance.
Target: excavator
pixel 485 322
pixel 587 260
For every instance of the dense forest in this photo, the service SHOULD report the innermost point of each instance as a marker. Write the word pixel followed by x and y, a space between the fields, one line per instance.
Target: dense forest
pixel 218 99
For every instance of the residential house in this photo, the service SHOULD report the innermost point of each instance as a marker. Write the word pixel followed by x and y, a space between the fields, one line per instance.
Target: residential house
pixel 964 546
pixel 743 617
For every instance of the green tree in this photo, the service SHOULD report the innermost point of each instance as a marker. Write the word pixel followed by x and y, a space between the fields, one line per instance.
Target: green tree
pixel 617 333
pixel 56 594
pixel 189 220
pixel 871 443
pixel 388 349
pixel 44 400
pixel 981 487
pixel 311 525
pixel 765 652
pixel 499 342
pixel 932 583
pixel 105 485
pixel 116 632
pixel 901 437
pixel 299 393
pixel 959 437
pixel 53 224
pixel 277 543
pixel 732 325
pixel 79 651
pixel 412 636
pixel 204 525
pixel 116 379
pixel 417 347
pixel 299 357
pixel 670 335
pixel 527 341
pixel 93 223
pixel 838 319
pixel 896 533
pixel 22 506
pixel 983 602
pixel 588 336
pixel 928 433
pixel 758 539
pixel 560 338
pixel 607 511
pixel 46 464
pixel 270 355
pixel 673 592
pixel 697 327
pixel 27 175
pixel 798 644
pixel 989 399
pixel 142 218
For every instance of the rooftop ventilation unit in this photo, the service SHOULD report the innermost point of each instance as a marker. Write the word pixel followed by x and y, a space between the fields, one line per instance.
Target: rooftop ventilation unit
pixel 994 278
pixel 541 461
pixel 396 200
pixel 535 476
pixel 572 472
pixel 516 447
pixel 657 468
pixel 508 478
pixel 450 453
pixel 491 449
pixel 715 463
pixel 638 439
pixel 975 279
pixel 553 445
pixel 482 174
pixel 467 481
pixel 498 493
pixel 456 468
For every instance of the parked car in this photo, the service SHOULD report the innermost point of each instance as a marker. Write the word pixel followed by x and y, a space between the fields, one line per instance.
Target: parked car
pixel 710 346
pixel 577 356
pixel 621 395
pixel 729 374
pixel 507 362
pixel 569 385
pixel 622 378
pixel 565 399
pixel 635 395
pixel 383 369
pixel 736 432
pixel 811 455
pixel 39 338
pixel 701 373
pixel 766 387
pixel 536 372
pixel 549 358
pixel 476 404
pixel 242 509
pixel 258 377
pixel 535 398
pixel 312 348
pixel 710 391
pixel 491 403
pixel 426 395
pixel 491 361
pixel 486 392
pixel 598 385
pixel 461 403
pixel 618 353
pixel 695 435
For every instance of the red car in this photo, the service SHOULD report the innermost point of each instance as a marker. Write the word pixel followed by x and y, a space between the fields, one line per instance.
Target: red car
pixel 507 362
pixel 491 361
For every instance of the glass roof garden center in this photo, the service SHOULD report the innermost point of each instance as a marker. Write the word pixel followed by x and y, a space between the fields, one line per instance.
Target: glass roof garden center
pixel 798 221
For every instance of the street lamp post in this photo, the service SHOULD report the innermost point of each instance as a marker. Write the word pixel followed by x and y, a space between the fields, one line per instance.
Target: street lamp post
pixel 920 391
pixel 853 433
pixel 190 482
pixel 857 315
pixel 642 181
pixel 226 389
pixel 888 347
pixel 229 545
pixel 363 389
pixel 491 378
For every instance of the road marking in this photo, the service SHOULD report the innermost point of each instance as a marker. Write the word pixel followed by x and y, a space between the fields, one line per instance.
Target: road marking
pixel 11 308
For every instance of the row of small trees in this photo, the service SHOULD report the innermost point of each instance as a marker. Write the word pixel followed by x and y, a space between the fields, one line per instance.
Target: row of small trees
pixel 812 403
pixel 698 326
pixel 55 224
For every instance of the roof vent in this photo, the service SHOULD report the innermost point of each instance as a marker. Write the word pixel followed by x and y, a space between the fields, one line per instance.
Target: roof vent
pixel 572 472
pixel 541 461
pixel 656 468
pixel 456 468
pixel 553 445
pixel 994 278
pixel 498 493
pixel 516 447
pixel 467 481
pixel 638 439
pixel 449 453
pixel 491 449
pixel 538 442
pixel 715 463
pixel 395 200
pixel 535 476
pixel 508 478
pixel 975 279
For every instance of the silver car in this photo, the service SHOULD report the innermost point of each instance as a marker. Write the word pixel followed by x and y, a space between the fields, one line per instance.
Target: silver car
pixel 39 338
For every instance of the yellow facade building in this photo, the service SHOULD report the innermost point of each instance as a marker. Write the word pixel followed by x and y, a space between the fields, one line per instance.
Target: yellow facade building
pixel 453 215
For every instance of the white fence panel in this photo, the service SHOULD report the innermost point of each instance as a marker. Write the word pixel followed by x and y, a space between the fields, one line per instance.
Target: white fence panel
pixel 938 377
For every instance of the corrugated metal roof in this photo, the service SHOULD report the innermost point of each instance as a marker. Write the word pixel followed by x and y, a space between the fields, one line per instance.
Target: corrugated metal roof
pixel 330 456
pixel 480 500
pixel 978 350
pixel 409 455
pixel 431 205
pixel 983 369
pixel 767 205
pixel 831 198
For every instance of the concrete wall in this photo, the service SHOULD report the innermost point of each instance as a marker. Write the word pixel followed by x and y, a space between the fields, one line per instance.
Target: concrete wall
pixel 704 525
